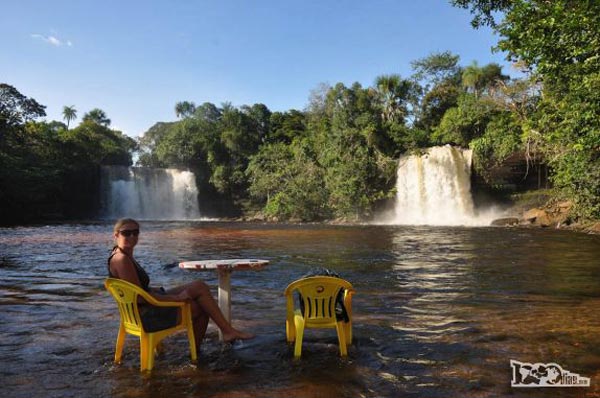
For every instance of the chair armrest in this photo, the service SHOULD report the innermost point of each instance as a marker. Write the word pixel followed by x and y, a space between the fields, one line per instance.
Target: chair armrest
pixel 289 305
pixel 115 283
pixel 348 301
pixel 290 324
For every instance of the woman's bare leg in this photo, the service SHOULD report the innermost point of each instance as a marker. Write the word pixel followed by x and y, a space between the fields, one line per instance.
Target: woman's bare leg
pixel 200 293
pixel 200 325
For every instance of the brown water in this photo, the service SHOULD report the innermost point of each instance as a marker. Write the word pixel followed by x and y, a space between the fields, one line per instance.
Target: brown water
pixel 439 312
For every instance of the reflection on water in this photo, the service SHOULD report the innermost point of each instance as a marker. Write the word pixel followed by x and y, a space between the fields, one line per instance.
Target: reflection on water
pixel 439 312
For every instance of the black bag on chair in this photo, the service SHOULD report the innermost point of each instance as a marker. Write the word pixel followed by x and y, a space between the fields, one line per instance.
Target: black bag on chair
pixel 340 310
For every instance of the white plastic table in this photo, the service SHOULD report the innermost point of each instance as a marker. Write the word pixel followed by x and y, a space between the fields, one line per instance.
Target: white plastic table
pixel 224 268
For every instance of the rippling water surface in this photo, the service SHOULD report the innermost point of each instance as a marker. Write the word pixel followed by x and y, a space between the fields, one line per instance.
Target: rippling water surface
pixel 439 312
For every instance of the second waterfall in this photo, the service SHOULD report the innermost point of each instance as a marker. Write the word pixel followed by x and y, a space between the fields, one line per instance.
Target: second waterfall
pixel 435 189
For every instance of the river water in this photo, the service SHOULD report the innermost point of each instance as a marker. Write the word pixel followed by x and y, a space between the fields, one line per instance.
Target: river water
pixel 438 312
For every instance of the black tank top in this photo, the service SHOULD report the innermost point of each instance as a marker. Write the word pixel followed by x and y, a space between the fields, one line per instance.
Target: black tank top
pixel 141 273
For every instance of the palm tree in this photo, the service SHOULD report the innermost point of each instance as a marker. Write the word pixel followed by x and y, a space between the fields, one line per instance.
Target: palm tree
pixel 479 79
pixel 97 116
pixel 185 109
pixel 472 78
pixel 69 113
pixel 393 92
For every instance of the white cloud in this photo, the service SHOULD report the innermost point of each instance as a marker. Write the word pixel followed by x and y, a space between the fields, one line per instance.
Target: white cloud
pixel 53 40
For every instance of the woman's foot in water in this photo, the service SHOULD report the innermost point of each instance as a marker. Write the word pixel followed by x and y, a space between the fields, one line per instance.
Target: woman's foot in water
pixel 234 334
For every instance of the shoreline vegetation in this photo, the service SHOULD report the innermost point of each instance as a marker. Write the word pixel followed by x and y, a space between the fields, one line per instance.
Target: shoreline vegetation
pixel 337 158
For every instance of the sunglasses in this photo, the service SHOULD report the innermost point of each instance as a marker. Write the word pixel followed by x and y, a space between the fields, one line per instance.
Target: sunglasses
pixel 129 232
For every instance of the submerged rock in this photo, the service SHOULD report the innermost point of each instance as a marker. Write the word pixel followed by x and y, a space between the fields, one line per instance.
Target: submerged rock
pixel 594 228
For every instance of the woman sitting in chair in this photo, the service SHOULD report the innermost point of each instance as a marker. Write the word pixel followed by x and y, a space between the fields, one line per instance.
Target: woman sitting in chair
pixel 122 265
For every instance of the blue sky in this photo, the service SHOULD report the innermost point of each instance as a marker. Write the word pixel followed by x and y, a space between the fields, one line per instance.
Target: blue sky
pixel 136 59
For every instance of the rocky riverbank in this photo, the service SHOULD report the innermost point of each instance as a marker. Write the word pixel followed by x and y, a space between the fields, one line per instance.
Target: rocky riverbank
pixel 534 209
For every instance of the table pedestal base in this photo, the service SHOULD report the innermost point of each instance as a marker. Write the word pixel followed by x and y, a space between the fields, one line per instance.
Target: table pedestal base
pixel 224 297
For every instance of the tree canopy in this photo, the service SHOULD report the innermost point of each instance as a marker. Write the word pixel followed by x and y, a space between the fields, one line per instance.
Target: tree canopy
pixel 17 109
pixel 47 170
pixel 558 43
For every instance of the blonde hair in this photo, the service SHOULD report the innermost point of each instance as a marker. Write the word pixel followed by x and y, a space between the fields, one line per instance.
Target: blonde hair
pixel 122 221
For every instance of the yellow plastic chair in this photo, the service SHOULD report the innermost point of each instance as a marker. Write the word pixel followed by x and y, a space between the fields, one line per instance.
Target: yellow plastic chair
pixel 319 295
pixel 126 295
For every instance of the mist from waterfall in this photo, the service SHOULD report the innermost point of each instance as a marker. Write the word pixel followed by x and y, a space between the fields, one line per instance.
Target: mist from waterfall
pixel 435 189
pixel 148 193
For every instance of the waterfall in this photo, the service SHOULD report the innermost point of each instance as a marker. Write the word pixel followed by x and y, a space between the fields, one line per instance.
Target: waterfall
pixel 435 189
pixel 147 193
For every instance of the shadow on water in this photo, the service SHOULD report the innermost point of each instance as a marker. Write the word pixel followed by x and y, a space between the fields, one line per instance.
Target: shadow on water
pixel 439 312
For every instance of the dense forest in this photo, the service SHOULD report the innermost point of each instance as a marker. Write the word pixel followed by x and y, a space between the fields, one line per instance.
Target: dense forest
pixel 337 158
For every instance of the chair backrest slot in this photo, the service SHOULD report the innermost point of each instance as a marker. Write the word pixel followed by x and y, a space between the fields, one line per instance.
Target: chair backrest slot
pixel 130 313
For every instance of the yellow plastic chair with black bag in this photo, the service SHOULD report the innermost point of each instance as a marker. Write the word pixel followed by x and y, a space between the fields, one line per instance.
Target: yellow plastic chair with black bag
pixel 324 302
pixel 126 295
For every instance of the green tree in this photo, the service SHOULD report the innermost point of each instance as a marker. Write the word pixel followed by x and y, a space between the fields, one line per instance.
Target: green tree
pixel 436 68
pixel 148 143
pixel 208 112
pixel 286 126
pixel 240 139
pixel 216 143
pixel 558 41
pixel 97 116
pixel 185 109
pixel 288 183
pixel 69 113
pixel 436 101
pixel 393 94
pixel 484 11
pixel 32 171
pixel 501 138
pixel 465 122
pixel 356 175
pixel 16 109
pixel 260 120
pixel 474 108
pixel 479 79
pixel 47 170
pixel 92 143
pixel 21 179
pixel 439 77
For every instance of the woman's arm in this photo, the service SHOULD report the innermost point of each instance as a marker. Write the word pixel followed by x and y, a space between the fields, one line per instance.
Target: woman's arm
pixel 181 296
pixel 122 267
